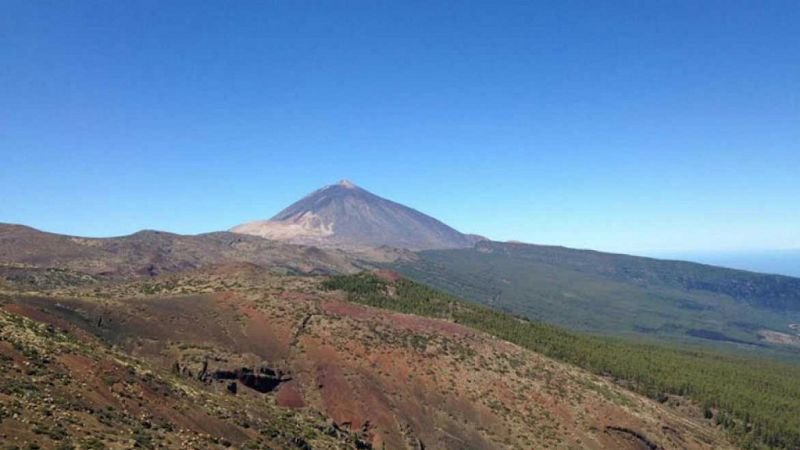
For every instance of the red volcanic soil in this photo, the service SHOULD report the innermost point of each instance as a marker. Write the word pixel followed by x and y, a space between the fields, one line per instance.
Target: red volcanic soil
pixel 8 351
pixel 83 391
pixel 388 275
pixel 408 322
pixel 289 396
pixel 393 380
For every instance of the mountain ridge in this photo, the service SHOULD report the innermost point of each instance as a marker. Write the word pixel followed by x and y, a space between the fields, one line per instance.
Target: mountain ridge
pixel 148 252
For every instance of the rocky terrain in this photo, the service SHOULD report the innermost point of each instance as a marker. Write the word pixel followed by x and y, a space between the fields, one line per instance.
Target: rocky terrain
pixel 236 356
pixel 150 253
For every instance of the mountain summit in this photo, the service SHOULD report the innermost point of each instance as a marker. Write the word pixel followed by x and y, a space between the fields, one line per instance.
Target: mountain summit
pixel 345 215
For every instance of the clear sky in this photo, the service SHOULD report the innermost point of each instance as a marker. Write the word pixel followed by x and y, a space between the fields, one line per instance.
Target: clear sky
pixel 624 126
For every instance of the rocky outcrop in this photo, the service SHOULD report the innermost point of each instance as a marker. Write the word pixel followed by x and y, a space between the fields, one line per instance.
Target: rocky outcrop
pixel 263 379
pixel 633 439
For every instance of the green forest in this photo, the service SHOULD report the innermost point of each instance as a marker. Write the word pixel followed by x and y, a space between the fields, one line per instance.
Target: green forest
pixel 756 400
pixel 617 295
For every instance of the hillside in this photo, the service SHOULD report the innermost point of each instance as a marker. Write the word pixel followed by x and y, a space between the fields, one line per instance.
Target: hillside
pixel 345 215
pixel 754 399
pixel 234 355
pixel 620 294
pixel 149 253
pixel 62 388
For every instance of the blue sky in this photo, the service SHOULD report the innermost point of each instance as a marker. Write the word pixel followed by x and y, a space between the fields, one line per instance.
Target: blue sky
pixel 624 126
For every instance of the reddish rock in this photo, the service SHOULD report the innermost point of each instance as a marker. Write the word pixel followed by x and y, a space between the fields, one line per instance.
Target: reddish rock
pixel 289 396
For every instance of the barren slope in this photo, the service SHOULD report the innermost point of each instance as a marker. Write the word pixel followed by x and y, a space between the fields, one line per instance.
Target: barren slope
pixel 149 253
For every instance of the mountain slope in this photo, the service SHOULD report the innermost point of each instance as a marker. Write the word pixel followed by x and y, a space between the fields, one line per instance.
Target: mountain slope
pixel 235 348
pixel 62 387
pixel 619 294
pixel 344 215
pixel 754 399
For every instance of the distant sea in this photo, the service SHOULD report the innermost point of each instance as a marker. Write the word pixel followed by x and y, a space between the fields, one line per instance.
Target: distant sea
pixel 782 262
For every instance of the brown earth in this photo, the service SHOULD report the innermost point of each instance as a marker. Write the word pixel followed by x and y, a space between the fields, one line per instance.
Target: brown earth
pixel 169 352
pixel 48 259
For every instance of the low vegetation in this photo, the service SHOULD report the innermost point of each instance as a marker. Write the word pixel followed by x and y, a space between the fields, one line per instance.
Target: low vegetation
pixel 60 389
pixel 756 401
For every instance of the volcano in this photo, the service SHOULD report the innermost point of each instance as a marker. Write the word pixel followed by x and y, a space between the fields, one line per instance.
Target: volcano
pixel 345 215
